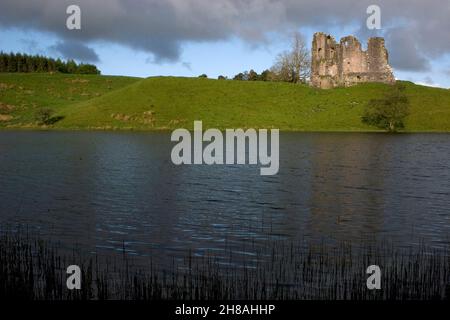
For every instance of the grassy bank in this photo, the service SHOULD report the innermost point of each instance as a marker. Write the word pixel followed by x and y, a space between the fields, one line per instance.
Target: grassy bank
pixel 31 268
pixel 98 102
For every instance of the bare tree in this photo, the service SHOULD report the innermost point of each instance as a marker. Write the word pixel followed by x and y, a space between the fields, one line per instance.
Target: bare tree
pixel 301 60
pixel 282 70
pixel 293 65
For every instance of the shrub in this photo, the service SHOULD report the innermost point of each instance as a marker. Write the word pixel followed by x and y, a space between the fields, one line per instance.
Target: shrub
pixel 44 116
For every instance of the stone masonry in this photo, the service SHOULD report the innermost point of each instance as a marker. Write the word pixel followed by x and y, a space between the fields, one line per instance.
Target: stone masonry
pixel 345 63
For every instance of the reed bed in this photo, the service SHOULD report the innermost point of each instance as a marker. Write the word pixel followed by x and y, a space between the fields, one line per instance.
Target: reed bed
pixel 35 269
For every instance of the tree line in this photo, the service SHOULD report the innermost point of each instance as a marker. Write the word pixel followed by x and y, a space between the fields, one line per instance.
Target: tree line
pixel 18 62
pixel 292 65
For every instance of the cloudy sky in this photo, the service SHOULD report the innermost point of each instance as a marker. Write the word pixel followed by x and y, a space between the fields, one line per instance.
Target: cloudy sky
pixel 190 37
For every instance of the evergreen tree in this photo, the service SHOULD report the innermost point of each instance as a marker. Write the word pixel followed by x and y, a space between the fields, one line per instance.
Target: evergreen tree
pixel 11 62
pixel 2 62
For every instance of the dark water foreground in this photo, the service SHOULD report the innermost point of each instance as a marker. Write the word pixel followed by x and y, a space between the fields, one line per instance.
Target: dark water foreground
pixel 104 189
pixel 35 269
pixel 339 203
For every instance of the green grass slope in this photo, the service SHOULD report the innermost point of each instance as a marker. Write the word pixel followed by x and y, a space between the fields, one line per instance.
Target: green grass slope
pixel 21 95
pixel 169 102
pixel 161 103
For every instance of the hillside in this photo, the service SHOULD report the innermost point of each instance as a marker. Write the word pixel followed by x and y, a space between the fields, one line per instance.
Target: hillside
pixel 21 94
pixel 168 102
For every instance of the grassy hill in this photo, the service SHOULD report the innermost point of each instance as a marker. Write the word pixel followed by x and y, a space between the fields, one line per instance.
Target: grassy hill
pixel 22 94
pixel 168 102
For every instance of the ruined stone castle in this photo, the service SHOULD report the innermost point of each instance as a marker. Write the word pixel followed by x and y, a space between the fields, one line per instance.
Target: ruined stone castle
pixel 345 63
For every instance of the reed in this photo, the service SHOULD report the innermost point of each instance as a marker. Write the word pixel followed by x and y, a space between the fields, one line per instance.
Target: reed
pixel 35 269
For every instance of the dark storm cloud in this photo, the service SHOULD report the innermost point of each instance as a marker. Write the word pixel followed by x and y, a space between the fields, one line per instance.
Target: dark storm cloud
pixel 403 51
pixel 75 50
pixel 161 27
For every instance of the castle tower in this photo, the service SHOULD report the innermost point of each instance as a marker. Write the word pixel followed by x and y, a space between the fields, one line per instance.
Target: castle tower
pixel 324 61
pixel 378 60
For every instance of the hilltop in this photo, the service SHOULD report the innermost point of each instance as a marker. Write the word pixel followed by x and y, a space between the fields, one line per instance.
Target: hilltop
pixel 162 103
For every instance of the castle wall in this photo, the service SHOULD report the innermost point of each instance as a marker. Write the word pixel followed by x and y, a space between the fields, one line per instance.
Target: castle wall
pixel 345 63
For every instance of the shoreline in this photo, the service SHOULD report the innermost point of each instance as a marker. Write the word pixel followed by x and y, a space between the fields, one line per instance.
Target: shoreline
pixel 169 130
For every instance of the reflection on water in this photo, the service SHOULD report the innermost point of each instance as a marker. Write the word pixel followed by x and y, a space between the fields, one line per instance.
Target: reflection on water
pixel 109 191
